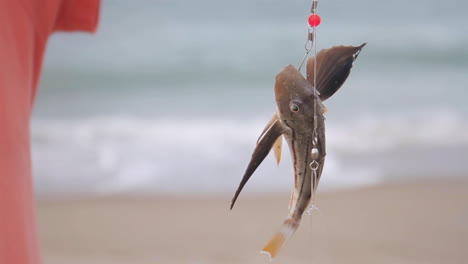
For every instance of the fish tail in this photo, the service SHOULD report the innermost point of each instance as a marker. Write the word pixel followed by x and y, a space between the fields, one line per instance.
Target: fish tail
pixel 276 243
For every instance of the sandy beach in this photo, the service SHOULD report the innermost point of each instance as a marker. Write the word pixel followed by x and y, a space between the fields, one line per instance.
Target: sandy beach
pixel 395 223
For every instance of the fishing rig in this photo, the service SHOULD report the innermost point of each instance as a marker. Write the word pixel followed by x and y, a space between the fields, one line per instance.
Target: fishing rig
pixel 313 21
pixel 334 65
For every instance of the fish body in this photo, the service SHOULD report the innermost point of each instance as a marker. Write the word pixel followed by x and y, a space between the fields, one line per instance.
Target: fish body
pixel 300 120
pixel 300 111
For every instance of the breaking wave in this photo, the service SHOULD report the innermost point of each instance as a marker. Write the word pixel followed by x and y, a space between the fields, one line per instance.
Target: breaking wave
pixel 123 154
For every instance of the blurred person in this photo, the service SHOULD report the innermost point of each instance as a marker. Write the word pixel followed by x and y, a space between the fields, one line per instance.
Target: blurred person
pixel 25 26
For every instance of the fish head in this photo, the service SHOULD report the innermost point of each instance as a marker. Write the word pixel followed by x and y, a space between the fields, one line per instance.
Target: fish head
pixel 295 100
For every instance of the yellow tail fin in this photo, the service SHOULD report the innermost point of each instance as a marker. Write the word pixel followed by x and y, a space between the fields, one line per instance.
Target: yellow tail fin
pixel 276 243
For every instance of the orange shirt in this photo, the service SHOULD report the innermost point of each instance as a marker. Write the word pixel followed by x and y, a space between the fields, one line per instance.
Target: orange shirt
pixel 25 26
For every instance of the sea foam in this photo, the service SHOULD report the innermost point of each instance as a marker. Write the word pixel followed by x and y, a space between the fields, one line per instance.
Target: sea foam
pixel 123 154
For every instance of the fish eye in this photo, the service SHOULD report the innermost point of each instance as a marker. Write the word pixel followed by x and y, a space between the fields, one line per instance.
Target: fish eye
pixel 294 108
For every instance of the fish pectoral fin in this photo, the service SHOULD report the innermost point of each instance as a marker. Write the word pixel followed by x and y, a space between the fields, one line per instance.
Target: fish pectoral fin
pixel 277 146
pixel 273 120
pixel 277 149
pixel 324 108
pixel 264 145
pixel 333 67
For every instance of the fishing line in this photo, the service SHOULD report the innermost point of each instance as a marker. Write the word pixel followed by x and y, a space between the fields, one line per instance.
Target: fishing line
pixel 311 44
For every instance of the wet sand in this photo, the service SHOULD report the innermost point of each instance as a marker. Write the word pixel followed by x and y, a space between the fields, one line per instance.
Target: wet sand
pixel 393 223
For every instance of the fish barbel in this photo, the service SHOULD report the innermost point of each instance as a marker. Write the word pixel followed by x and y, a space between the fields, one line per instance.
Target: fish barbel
pixel 300 120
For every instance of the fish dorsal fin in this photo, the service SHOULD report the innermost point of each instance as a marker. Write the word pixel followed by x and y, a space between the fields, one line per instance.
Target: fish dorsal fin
pixel 333 68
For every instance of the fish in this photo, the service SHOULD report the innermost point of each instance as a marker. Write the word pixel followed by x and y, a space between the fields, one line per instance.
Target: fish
pixel 299 118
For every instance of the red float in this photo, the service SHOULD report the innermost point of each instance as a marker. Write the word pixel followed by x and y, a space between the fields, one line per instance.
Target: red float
pixel 314 20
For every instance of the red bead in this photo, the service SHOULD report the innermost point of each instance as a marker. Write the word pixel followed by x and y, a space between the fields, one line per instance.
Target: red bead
pixel 314 20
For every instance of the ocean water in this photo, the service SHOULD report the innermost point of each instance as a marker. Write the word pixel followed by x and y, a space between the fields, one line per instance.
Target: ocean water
pixel 169 97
